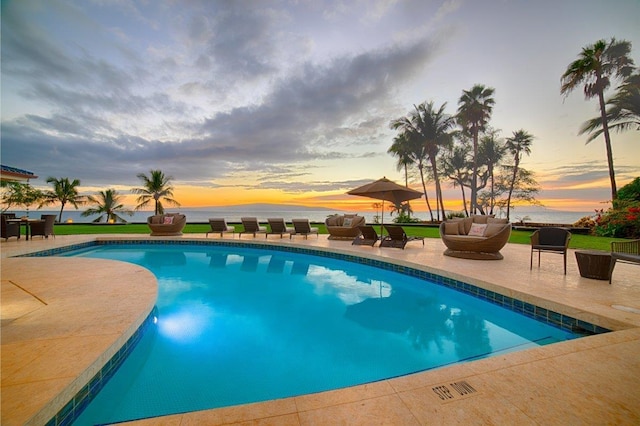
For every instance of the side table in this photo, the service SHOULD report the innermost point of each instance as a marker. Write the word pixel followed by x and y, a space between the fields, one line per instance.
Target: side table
pixel 594 264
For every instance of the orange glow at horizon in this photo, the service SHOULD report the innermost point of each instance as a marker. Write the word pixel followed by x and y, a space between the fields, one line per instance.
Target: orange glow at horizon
pixel 194 197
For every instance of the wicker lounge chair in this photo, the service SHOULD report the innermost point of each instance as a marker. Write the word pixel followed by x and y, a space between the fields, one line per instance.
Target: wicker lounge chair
pixel 302 227
pixel 368 237
pixel 550 240
pixel 251 226
pixel 345 227
pixel 44 226
pixel 219 226
pixel 396 237
pixel 9 229
pixel 279 227
pixel 455 234
pixel 624 251
pixel 170 224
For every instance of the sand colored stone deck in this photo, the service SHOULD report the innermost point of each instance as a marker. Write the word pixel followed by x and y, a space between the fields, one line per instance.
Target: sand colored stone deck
pixel 55 332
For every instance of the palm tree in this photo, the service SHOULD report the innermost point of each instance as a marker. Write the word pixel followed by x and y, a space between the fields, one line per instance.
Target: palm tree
pixel 417 153
pixel 623 113
pixel 595 66
pixel 157 187
pixel 491 152
pixel 456 167
pixel 431 128
pixel 64 191
pixel 474 110
pixel 518 144
pixel 107 203
pixel 400 148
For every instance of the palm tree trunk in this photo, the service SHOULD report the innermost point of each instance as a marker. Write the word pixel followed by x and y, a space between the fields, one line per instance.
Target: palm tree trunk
pixel 474 175
pixel 607 143
pixel 424 189
pixel 438 187
pixel 60 215
pixel 464 199
pixel 513 182
pixel 492 201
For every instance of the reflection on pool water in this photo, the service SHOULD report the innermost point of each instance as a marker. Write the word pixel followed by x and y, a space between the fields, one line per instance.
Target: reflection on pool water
pixel 238 325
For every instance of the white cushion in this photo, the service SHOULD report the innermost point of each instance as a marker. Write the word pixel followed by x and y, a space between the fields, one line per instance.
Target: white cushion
pixel 477 230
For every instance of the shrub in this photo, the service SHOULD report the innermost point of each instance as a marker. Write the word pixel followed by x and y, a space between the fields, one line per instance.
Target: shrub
pixel 586 222
pixel 622 220
pixel 452 215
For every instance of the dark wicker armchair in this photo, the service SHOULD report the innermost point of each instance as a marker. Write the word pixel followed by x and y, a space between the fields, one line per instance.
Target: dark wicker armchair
pixel 44 226
pixel 9 229
pixel 550 240
pixel 624 251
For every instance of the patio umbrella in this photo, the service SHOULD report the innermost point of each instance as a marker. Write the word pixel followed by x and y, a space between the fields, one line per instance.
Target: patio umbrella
pixel 386 190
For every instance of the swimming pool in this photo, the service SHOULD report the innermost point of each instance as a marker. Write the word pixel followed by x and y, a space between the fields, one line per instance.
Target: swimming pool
pixel 253 324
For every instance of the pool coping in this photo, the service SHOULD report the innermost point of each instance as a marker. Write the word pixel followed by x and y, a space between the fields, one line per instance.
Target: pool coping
pixel 371 257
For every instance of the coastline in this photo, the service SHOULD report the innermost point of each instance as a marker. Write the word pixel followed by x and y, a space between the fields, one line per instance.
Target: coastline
pixel 317 215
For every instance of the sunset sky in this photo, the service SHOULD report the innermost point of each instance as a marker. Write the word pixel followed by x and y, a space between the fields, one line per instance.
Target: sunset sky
pixel 290 101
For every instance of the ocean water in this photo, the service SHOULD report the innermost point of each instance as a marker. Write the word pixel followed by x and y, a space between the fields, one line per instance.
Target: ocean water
pixel 198 215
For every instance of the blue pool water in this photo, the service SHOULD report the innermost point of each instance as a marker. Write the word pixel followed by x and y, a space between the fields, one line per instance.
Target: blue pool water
pixel 237 325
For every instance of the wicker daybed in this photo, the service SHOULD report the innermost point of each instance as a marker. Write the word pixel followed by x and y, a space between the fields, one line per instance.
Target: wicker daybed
pixel 169 224
pixel 344 227
pixel 477 237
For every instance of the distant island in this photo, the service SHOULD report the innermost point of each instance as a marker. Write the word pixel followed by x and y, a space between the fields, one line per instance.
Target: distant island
pixel 262 207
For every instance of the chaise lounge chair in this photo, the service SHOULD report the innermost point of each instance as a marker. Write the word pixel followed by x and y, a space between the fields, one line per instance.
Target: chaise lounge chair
pixel 368 236
pixel 278 227
pixel 251 226
pixel 219 225
pixel 302 227
pixel 396 237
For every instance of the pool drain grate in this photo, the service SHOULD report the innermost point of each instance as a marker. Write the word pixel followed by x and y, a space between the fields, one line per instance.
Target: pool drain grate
pixel 454 391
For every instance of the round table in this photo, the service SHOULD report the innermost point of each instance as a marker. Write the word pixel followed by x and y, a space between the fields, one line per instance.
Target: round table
pixel 594 264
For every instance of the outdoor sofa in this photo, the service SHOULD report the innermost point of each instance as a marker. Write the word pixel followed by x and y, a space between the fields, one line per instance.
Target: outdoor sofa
pixel 344 226
pixel 477 237
pixel 170 224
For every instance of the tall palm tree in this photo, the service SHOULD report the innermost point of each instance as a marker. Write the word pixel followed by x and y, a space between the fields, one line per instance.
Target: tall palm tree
pixel 108 205
pixel 431 127
pixel 595 66
pixel 157 187
pixel 64 191
pixel 518 144
pixel 474 111
pixel 623 113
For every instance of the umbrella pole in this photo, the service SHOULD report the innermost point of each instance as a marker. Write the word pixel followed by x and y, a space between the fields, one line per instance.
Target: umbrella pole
pixel 382 225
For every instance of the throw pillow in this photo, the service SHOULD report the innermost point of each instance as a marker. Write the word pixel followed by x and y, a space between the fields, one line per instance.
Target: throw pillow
pixel 477 229
pixel 480 218
pixel 168 220
pixel 156 220
pixel 502 220
pixel 493 229
pixel 451 228
pixel 332 220
pixel 465 225
pixel 347 222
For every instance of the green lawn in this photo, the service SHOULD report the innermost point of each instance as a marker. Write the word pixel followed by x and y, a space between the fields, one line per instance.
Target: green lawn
pixel 578 241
